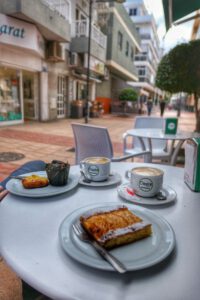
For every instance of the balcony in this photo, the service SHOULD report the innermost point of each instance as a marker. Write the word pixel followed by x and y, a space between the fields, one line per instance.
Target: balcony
pixel 61 7
pixel 146 36
pixel 81 28
pixel 50 16
pixel 145 19
pixel 144 79
pixel 79 43
pixel 144 58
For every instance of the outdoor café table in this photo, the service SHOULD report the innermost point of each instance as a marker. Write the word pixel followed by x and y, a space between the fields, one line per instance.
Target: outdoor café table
pixel 153 133
pixel 29 242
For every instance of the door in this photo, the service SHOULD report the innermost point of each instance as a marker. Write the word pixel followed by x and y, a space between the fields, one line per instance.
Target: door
pixel 61 97
pixel 30 94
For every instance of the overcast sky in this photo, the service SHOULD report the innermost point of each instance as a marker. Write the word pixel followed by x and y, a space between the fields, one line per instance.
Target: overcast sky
pixel 176 34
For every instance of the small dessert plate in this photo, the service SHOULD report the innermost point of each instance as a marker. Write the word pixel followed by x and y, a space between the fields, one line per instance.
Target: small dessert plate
pixel 126 192
pixel 14 186
pixel 113 178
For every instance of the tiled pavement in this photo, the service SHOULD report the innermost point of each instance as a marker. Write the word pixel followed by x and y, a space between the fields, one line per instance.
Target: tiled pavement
pixel 54 140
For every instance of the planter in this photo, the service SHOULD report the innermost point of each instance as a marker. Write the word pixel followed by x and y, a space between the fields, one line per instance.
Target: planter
pixel 77 110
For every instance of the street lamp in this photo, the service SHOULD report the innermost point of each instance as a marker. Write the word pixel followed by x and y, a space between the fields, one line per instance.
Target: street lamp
pixel 89 50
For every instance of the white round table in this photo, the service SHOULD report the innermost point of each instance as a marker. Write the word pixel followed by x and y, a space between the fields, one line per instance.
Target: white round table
pixel 153 133
pixel 30 244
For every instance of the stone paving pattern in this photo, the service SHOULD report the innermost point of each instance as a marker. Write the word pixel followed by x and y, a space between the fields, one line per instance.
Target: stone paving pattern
pixel 53 140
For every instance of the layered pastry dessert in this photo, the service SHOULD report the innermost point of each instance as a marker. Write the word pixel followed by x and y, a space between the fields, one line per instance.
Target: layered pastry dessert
pixel 34 181
pixel 115 227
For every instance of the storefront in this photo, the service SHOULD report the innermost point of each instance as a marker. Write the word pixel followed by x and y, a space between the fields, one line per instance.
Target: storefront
pixel 21 66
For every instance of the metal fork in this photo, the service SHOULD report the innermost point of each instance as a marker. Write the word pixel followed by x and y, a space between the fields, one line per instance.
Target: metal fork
pixel 85 237
pixel 17 177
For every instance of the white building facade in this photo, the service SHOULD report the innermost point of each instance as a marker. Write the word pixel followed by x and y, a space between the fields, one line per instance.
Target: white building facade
pixel 43 59
pixel 147 60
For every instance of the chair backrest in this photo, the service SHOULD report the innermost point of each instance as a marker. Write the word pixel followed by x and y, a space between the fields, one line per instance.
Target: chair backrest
pixel 150 122
pixel 91 141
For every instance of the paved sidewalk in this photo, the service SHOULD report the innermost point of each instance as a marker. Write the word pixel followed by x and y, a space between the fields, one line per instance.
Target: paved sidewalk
pixel 54 140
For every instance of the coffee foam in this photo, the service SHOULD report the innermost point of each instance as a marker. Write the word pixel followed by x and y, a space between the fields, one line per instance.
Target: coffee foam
pixel 97 160
pixel 147 171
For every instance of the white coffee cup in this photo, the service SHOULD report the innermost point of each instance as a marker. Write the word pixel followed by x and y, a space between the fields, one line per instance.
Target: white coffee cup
pixel 145 181
pixel 96 168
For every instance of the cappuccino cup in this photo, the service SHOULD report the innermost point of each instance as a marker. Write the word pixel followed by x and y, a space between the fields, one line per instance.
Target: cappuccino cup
pixel 145 181
pixel 96 168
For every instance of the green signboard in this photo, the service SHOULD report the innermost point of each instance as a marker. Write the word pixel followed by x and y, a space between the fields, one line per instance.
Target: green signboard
pixel 171 125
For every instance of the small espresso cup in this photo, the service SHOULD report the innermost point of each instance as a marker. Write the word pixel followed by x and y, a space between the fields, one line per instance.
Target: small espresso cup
pixel 96 168
pixel 145 181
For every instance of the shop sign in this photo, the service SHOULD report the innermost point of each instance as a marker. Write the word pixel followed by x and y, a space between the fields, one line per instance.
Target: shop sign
pixel 21 34
pixel 95 65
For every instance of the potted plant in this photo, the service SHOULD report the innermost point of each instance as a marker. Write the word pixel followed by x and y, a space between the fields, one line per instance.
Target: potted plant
pixel 127 94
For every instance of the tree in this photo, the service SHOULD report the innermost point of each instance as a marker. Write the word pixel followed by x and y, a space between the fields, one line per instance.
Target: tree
pixel 127 94
pixel 179 71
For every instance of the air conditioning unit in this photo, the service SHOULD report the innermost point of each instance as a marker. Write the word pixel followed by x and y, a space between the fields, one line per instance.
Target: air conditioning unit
pixel 74 59
pixel 55 52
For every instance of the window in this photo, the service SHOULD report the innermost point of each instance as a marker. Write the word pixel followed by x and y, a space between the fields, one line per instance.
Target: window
pixel 127 48
pixel 30 94
pixel 141 71
pixel 120 40
pixel 133 12
pixel 132 54
pixel 137 29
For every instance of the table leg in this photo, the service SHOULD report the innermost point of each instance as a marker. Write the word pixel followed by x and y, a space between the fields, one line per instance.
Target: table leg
pixel 175 153
pixel 148 157
pixel 150 147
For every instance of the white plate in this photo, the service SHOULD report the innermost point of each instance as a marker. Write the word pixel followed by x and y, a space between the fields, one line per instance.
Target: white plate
pixel 114 178
pixel 14 186
pixel 139 255
pixel 124 190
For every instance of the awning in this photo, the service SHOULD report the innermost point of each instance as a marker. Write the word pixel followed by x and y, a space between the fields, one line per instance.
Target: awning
pixel 177 9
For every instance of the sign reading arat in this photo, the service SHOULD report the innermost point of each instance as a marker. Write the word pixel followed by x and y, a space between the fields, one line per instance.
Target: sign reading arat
pixel 12 30
pixel 21 34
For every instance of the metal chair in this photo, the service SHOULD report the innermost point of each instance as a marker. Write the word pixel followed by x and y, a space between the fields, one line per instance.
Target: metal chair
pixel 160 148
pixel 95 141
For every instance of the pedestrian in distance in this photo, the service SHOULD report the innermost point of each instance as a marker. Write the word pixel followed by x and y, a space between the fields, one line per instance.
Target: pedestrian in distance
pixel 149 105
pixel 162 106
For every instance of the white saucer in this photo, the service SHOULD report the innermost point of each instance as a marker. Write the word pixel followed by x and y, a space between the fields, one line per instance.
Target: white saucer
pixel 125 191
pixel 114 178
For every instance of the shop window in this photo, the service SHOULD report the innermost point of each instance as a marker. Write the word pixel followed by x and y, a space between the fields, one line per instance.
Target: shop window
pixel 10 105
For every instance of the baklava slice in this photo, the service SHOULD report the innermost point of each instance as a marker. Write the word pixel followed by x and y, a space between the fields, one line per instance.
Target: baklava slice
pixel 114 227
